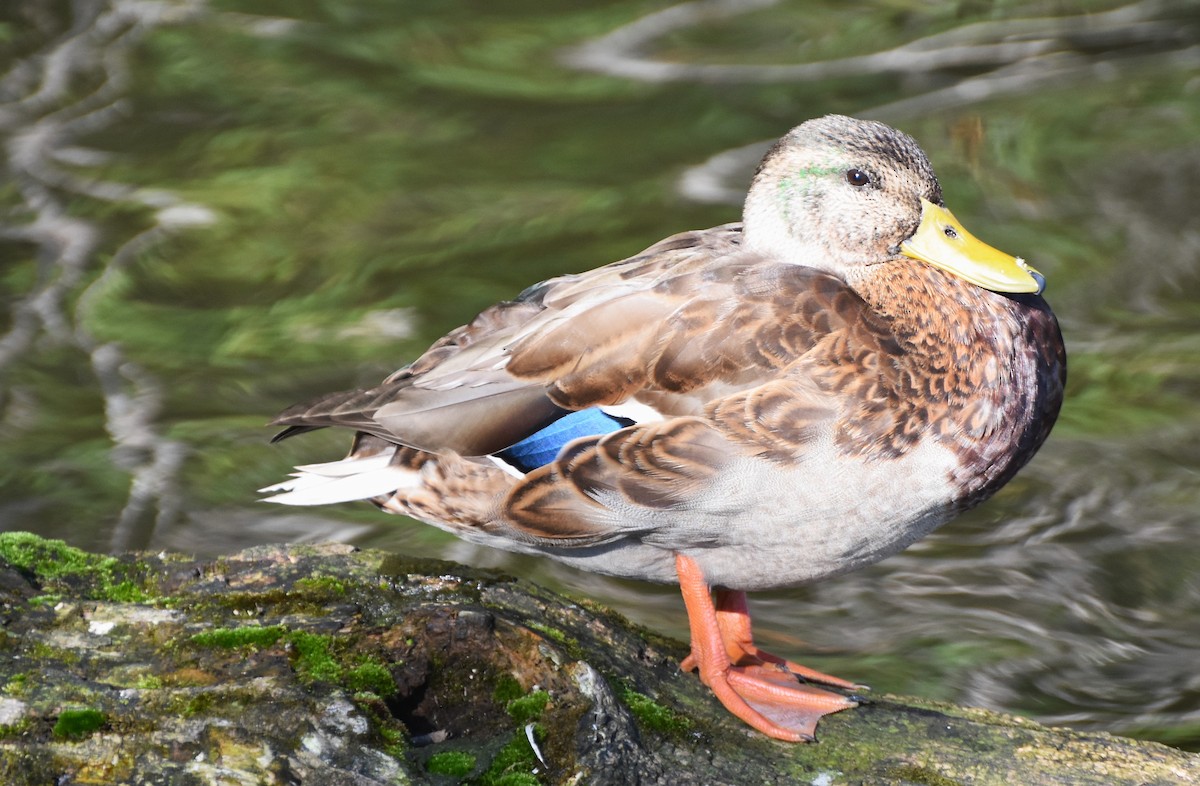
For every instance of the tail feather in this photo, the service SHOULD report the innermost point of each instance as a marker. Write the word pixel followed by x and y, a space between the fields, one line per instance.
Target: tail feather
pixel 347 466
pixel 292 431
pixel 342 481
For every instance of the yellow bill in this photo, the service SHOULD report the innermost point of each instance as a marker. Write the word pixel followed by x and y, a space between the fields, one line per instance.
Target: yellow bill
pixel 942 241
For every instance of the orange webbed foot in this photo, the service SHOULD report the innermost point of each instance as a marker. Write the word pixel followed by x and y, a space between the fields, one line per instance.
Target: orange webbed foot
pixel 733 618
pixel 760 688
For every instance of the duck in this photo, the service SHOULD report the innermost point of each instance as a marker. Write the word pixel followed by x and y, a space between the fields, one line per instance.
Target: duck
pixel 760 405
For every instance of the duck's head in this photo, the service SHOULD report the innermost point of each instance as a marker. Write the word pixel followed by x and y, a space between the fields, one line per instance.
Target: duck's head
pixel 843 195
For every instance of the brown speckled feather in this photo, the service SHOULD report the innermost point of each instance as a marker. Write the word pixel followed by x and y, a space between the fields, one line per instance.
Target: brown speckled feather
pixel 671 462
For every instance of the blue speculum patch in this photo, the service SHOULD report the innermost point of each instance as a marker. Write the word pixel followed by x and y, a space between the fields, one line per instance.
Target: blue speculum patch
pixel 540 448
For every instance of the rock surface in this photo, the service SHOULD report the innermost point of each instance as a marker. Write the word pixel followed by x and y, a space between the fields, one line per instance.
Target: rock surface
pixel 327 665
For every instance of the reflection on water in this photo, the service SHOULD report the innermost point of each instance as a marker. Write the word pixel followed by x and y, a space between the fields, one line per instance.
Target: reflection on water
pixel 247 203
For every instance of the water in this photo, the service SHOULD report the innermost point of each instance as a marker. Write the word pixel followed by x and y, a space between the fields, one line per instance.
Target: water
pixel 212 210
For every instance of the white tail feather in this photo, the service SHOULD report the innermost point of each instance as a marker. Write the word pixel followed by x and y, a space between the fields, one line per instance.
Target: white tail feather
pixel 347 466
pixel 311 489
pixel 286 485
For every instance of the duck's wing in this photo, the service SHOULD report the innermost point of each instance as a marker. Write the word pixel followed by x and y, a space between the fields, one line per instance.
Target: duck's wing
pixel 692 319
pixel 459 395
pixel 784 359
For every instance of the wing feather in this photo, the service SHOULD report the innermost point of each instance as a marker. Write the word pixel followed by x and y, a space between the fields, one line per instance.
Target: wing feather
pixel 691 326
pixel 658 466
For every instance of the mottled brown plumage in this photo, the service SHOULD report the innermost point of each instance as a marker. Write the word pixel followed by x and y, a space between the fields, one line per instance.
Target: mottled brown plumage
pixel 791 398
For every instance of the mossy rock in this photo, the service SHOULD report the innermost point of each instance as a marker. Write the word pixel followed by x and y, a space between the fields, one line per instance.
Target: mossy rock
pixel 330 665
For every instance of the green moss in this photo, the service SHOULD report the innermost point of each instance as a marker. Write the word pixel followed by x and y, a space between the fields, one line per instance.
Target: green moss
pixel 322 585
pixel 77 724
pixel 507 688
pixel 654 716
pixel 17 685
pixel 126 592
pixel 394 741
pixel 54 562
pixel 47 559
pixel 199 704
pixel 527 708
pixel 248 636
pixel 515 779
pixel 213 701
pixel 909 773
pixel 41 651
pixel 314 657
pixel 455 763
pixel 513 765
pixel 250 602
pixel 569 645
pixel 372 676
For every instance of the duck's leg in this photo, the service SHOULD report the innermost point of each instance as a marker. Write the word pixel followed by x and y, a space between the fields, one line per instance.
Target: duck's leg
pixel 766 696
pixel 733 617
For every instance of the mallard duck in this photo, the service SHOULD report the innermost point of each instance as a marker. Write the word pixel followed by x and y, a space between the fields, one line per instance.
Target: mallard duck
pixel 757 405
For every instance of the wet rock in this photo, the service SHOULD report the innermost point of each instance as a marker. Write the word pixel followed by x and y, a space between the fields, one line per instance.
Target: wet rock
pixel 327 665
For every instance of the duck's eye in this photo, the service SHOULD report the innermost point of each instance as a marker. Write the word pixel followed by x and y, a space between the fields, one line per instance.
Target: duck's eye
pixel 857 178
